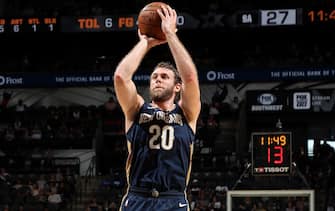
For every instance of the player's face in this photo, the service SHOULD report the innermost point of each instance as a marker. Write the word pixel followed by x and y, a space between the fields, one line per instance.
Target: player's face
pixel 162 84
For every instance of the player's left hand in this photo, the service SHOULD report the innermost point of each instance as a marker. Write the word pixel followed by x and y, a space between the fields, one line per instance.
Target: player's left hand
pixel 152 42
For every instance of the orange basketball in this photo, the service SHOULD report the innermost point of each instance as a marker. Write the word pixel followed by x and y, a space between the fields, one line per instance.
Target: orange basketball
pixel 149 21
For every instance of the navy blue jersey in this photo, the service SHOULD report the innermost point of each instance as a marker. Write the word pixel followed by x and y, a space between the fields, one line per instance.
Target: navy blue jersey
pixel 160 145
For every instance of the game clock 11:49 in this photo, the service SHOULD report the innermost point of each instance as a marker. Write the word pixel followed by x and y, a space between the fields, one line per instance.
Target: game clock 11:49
pixel 318 16
pixel 271 153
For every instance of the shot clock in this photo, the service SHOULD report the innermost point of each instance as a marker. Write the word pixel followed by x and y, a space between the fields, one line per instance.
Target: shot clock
pixel 271 153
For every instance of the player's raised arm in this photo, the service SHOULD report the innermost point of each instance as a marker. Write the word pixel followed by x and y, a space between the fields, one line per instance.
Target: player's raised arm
pixel 125 88
pixel 190 93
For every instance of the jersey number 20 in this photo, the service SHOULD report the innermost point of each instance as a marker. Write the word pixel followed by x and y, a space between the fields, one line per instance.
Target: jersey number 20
pixel 164 134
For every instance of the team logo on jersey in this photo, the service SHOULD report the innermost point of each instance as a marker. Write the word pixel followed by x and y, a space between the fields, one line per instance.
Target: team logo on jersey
pixel 160 115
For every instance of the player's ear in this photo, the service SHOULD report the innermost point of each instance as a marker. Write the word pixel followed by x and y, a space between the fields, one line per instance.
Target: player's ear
pixel 177 87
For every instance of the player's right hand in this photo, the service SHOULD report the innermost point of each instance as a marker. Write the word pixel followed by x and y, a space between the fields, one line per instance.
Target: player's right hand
pixel 169 19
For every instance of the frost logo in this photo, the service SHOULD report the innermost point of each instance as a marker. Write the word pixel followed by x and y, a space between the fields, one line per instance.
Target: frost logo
pixel 211 75
pixel 2 80
pixel 266 99
pixel 10 80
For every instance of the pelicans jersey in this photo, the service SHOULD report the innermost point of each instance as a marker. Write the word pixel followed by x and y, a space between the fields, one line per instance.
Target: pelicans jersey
pixel 160 145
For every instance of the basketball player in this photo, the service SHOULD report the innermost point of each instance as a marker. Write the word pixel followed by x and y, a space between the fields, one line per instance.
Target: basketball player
pixel 160 133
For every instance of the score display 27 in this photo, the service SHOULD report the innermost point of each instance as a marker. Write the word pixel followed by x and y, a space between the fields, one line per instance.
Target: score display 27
pixel 278 17
pixel 271 153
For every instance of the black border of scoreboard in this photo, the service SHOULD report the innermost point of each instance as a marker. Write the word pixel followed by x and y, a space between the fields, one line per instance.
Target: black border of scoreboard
pixel 271 153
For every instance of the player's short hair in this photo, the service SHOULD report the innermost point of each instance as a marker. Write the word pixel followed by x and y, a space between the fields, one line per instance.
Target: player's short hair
pixel 170 66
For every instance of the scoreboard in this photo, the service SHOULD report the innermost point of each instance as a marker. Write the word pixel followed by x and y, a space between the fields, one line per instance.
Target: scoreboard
pixel 315 16
pixel 98 23
pixel 105 23
pixel 28 24
pixel 286 17
pixel 67 24
pixel 271 153
pixel 81 24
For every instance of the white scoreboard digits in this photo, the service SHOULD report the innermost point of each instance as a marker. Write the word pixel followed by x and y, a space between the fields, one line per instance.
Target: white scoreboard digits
pixel 278 17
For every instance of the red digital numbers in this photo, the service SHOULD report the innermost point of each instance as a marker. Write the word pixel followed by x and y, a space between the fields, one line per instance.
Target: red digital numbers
pixel 271 153
pixel 275 155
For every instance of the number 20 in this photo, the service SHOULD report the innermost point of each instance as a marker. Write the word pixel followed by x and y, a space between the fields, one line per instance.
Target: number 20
pixel 165 134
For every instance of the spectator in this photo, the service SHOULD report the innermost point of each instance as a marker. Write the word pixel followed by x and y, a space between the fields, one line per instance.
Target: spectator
pixel 93 205
pixel 20 109
pixel 290 206
pixel 111 104
pixel 110 206
pixel 6 95
pixel 54 200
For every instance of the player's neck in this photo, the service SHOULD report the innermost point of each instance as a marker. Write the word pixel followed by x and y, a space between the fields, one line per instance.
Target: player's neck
pixel 165 106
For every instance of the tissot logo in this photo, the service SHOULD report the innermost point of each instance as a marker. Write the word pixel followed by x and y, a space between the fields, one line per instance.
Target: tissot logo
pixel 284 169
pixel 266 99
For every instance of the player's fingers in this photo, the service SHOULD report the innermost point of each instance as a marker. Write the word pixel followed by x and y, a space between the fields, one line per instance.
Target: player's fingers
pixel 139 33
pixel 174 13
pixel 171 10
pixel 165 10
pixel 160 13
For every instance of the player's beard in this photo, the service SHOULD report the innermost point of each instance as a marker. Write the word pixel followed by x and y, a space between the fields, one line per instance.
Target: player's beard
pixel 161 95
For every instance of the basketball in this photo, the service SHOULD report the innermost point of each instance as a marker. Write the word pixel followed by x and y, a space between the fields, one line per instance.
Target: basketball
pixel 149 22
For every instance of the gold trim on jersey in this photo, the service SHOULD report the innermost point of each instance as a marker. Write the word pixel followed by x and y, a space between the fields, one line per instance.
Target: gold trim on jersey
pixel 190 165
pixel 128 166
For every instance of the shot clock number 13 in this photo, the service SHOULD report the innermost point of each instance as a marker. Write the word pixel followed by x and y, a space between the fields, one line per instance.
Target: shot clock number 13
pixel 271 153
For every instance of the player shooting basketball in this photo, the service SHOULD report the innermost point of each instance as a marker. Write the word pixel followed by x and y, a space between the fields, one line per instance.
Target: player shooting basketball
pixel 160 133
